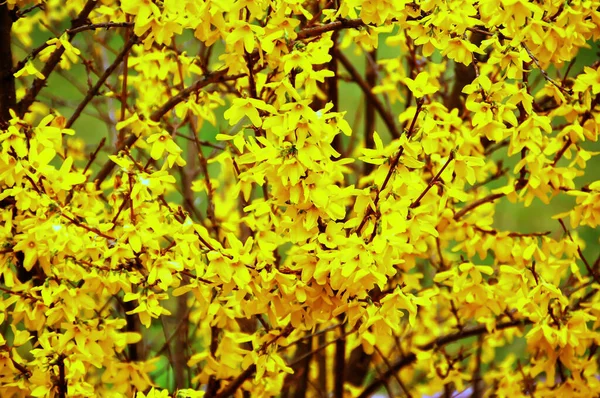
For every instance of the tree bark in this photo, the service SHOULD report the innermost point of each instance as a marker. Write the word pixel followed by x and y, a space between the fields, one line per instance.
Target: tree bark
pixel 7 80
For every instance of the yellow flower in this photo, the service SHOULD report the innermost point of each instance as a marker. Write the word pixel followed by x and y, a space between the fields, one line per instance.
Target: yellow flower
pixel 242 36
pixel 247 107
pixel 29 70
pixel 590 79
pixel 162 142
pixel 422 85
pixel 460 50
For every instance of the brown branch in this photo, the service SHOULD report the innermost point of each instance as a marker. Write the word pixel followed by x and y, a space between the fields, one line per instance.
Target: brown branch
pixel 395 375
pixel 332 26
pixel 301 375
pixel 24 11
pixel 339 362
pixel 213 384
pixel 371 81
pixel 215 77
pixel 130 194
pixel 392 168
pixel 333 94
pixel 133 326
pixel 477 203
pixel 192 276
pixel 7 79
pixel 236 383
pixel 464 75
pixel 318 14
pixel 476 378
pixel 564 79
pixel 387 118
pixel 93 157
pixel 581 256
pixel 55 57
pixel 94 90
pixel 105 25
pixel 586 116
pixel 561 152
pixel 316 350
pixel 544 73
pixel 169 340
pixel 20 294
pixel 86 227
pixel 61 383
pixel 432 182
pixel 322 364
pixel 245 375
pixel 512 234
pixel 128 38
pixel 411 358
pixel 34 53
pixel 24 371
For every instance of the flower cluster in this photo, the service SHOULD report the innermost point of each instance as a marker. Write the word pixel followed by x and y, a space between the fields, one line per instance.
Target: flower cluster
pixel 266 215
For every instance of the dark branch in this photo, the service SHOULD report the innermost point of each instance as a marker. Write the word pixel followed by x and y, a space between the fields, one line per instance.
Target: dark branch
pixel 38 84
pixel 337 25
pixel 476 204
pixel 94 90
pixel 7 80
pixel 215 77
pixel 439 342
pixel 388 120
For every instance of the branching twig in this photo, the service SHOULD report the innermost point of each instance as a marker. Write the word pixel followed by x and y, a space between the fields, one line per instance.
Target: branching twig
pixel 62 381
pixel 245 375
pixel 215 77
pixel 477 203
pixel 86 227
pixel 337 25
pixel 395 375
pixel 581 256
pixel 512 234
pixel 546 76
pixel 105 25
pixel 55 57
pixel 409 133
pixel 432 345
pixel 94 91
pixel 371 81
pixel 417 202
pixel 22 12
pixel 340 363
pixel 7 79
pixel 387 118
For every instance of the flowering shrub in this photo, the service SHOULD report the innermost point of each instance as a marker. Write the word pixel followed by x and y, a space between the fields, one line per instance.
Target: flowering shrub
pixel 247 228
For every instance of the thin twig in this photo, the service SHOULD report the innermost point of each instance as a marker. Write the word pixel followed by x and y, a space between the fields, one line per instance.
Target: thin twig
pixel 395 375
pixel 477 203
pixel 546 76
pixel 7 78
pixel 215 77
pixel 337 25
pixel 387 118
pixel 581 256
pixel 409 133
pixel 434 344
pixel 94 91
pixel 105 25
pixel 55 57
pixel 432 182
pixel 86 227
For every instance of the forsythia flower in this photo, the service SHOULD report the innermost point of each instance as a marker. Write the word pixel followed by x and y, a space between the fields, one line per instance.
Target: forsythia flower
pixel 265 198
